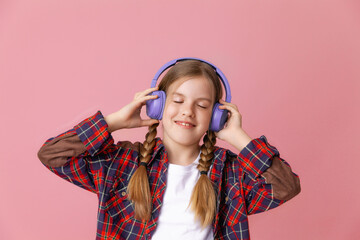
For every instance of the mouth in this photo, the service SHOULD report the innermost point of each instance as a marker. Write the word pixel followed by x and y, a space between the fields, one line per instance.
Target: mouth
pixel 185 124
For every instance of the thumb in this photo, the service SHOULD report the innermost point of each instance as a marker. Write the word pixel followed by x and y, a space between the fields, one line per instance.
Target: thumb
pixel 149 122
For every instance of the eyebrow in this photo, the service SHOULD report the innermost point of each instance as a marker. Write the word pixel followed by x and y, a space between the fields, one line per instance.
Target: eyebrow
pixel 207 99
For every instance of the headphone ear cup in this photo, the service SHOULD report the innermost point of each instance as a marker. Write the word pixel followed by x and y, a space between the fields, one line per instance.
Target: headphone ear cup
pixel 155 107
pixel 218 118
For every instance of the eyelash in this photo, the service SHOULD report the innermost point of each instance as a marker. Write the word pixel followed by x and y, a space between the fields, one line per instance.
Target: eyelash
pixel 198 105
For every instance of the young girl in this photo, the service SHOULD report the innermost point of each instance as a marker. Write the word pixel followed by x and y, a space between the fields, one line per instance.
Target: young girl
pixel 171 187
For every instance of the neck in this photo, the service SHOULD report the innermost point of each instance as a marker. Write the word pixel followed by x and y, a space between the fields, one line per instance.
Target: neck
pixel 180 154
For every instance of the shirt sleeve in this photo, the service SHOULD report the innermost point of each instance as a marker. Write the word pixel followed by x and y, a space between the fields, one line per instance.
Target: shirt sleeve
pixel 255 159
pixel 79 154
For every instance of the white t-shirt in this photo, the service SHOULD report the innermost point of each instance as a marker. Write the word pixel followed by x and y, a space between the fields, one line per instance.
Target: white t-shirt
pixel 176 221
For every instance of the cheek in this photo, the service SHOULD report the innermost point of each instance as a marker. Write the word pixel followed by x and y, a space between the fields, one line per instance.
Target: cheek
pixel 169 111
pixel 204 117
pixel 209 115
pixel 208 118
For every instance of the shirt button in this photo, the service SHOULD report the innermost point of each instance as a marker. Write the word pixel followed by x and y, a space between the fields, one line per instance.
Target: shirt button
pixel 226 199
pixel 123 193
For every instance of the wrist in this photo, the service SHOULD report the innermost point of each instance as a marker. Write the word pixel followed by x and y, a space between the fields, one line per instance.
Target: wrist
pixel 241 139
pixel 113 122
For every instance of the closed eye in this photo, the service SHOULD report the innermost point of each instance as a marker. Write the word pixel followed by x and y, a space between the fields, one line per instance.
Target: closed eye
pixel 182 102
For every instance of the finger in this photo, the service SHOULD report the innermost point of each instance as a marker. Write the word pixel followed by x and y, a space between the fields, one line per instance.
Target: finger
pixel 146 98
pixel 224 102
pixel 217 134
pixel 230 108
pixel 149 122
pixel 149 90
pixel 227 103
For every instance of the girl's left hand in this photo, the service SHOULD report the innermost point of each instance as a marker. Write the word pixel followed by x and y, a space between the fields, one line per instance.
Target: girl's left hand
pixel 233 123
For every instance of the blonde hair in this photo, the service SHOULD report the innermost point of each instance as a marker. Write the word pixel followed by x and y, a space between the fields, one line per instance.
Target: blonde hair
pixel 203 199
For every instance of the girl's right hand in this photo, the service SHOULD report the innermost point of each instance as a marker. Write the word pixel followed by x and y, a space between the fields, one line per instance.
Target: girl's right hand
pixel 129 115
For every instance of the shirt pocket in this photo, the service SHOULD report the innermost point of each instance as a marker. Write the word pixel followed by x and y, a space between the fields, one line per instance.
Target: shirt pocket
pixel 232 209
pixel 118 206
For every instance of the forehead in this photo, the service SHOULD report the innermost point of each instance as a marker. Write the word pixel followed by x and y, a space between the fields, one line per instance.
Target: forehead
pixel 192 87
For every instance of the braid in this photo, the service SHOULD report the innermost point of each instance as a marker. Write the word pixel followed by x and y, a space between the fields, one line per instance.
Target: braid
pixel 138 188
pixel 149 144
pixel 207 151
pixel 203 199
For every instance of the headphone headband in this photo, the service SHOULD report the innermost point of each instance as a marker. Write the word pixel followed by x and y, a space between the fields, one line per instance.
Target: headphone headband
pixel 218 72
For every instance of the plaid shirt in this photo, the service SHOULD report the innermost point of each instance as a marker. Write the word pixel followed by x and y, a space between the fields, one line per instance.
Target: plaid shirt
pixel 105 168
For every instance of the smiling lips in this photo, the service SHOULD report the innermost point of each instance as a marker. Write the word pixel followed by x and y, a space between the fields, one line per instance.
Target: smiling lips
pixel 185 124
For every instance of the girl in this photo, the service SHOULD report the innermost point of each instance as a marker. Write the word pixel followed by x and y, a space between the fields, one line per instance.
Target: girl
pixel 171 187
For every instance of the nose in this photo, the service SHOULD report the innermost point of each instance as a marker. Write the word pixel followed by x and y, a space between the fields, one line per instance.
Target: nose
pixel 187 110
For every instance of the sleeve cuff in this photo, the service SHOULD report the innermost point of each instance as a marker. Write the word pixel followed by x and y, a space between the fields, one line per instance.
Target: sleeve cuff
pixel 256 156
pixel 93 132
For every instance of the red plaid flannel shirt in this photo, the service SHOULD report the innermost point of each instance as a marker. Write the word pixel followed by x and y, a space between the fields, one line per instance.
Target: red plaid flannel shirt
pixel 105 168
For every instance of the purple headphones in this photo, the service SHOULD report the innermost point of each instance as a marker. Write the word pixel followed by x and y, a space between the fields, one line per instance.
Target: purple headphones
pixel 155 107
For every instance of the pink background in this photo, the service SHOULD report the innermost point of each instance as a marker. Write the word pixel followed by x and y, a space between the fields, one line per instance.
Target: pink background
pixel 293 67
